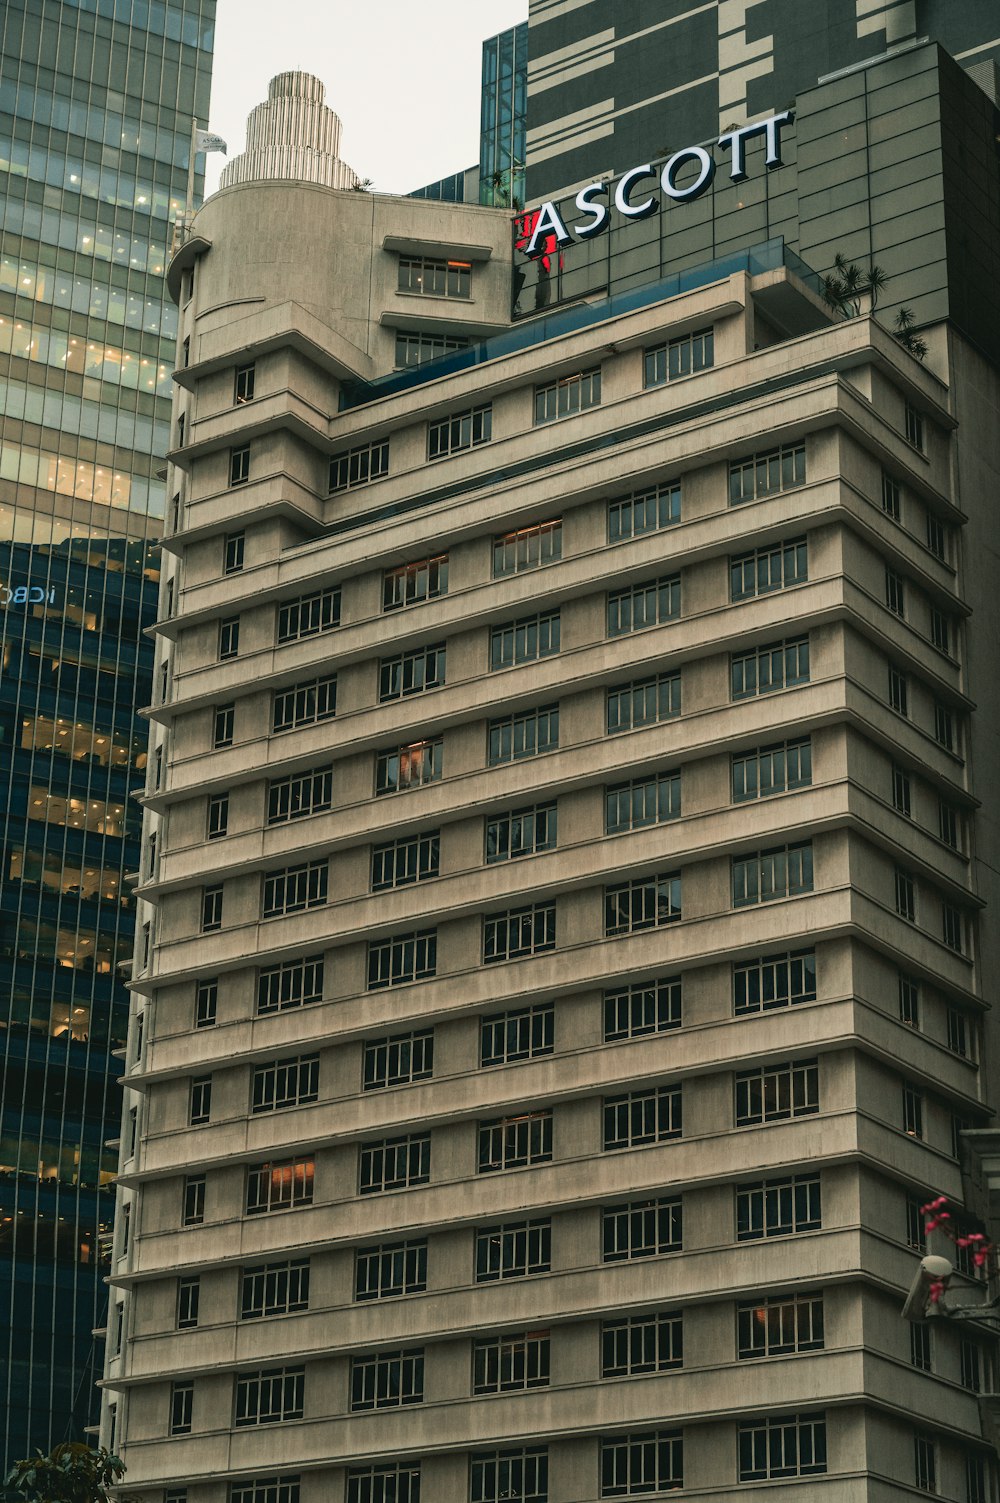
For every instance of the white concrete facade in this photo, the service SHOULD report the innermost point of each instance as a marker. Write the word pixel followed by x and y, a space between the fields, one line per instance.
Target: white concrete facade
pixel 855 1091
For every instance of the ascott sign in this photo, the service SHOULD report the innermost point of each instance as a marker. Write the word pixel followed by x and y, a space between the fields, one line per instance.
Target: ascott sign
pixel 550 226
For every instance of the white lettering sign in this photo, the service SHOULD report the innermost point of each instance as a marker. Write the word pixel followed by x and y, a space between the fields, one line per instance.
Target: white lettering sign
pixel 635 198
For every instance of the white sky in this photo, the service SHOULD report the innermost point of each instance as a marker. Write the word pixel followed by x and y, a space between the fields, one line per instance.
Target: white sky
pixel 403 75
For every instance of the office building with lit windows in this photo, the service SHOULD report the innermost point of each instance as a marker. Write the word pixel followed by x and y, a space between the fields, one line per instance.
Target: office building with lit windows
pixel 570 941
pixel 95 115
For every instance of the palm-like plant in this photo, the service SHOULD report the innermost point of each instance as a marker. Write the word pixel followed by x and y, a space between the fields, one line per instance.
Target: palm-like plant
pixel 846 286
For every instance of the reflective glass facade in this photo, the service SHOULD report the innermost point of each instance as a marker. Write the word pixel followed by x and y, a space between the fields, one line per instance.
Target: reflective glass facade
pixel 96 100
pixel 504 117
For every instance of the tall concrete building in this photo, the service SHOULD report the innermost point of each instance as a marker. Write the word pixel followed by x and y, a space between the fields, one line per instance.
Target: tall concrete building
pixel 570 782
pixel 96 102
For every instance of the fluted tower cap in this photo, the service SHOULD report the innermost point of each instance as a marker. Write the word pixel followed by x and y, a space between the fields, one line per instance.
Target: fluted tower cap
pixel 293 136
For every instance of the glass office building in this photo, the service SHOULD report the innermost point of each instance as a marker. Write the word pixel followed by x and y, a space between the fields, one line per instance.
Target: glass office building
pixel 504 117
pixel 96 100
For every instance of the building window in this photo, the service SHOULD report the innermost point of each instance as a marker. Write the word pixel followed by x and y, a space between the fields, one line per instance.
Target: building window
pixel 767 474
pixel 890 496
pixel 265 1490
pixel 234 552
pixel 211 909
pixel 644 1007
pixel 299 795
pixel 778 1327
pixel 188 1300
pixel 644 511
pixel 685 356
pixel 515 1142
pixel 644 701
pixel 949 824
pixel 519 932
pixel 766 569
pixel 525 640
pixel 774 981
pixel 239 465
pixel 958 1033
pixel 218 816
pixel 527 548
pixel 274 1289
pixel 309 615
pixel 411 672
pixel 181 425
pixel 464 430
pixel 522 1033
pixel 900 790
pixel 978 1484
pixel 793 1446
pixel 394 1164
pixel 899 698
pixel 916 1232
pixel 269 1396
pixel 510 1364
pixel 768 876
pixel 936 536
pixel 406 767
pixel 435 278
pixel 527 734
pixel 925 1462
pixel 768 770
pixel 895 596
pixel 521 832
pixel 643 903
pixel 641 1229
pixel 944 727
pixel 941 631
pixel 914 427
pixel 412 584
pixel 775 1093
pixel 293 983
pixel 206 1003
pixel 913 1111
pixel 513 1250
pixel 920 1347
pixel 284 1082
pixel 389 1271
pixel 229 638
pixel 401 862
pixel 294 888
pixel 181 1407
pixel 200 1100
pixel 641 1117
pixel 641 1344
pixel 417 348
pixel 222 734
pixel 520 1475
pixel 909 1001
pixel 953 928
pixel 244 384
pixel 280 1185
pixel 763 670
pixel 304 704
pixel 193 1207
pixel 636 1464
pixel 643 605
pixel 970 1366
pixel 385 1380
pixel 568 396
pixel 359 466
pixel 384 1482
pixel 905 899
pixel 397 1059
pixel 402 958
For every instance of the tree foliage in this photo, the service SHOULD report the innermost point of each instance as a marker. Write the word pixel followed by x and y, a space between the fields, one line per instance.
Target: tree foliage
pixel 72 1473
pixel 848 284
